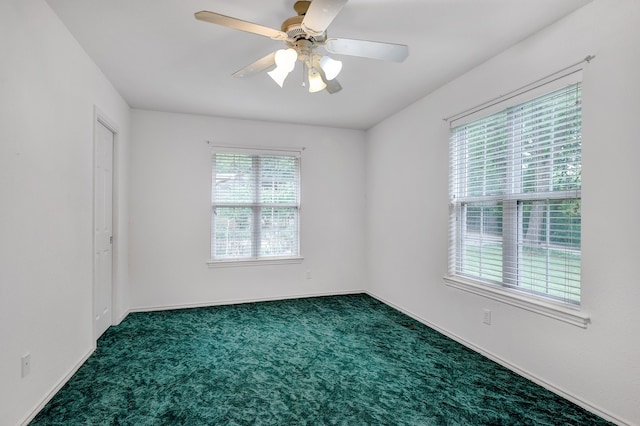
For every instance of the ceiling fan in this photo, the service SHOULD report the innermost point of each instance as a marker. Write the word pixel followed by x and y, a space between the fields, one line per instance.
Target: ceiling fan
pixel 303 35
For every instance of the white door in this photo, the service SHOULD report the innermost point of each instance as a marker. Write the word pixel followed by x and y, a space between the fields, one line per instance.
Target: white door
pixel 103 212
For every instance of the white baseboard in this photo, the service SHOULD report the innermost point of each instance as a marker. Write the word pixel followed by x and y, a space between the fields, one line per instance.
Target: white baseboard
pixel 524 373
pixel 34 412
pixel 122 317
pixel 239 301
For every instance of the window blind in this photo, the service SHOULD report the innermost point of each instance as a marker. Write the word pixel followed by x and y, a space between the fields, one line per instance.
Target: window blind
pixel 255 206
pixel 515 194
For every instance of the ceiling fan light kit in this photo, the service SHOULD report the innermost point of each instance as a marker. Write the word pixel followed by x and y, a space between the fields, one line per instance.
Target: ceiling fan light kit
pixel 303 35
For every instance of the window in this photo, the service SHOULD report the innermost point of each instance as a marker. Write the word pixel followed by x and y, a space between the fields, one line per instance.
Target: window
pixel 255 206
pixel 515 198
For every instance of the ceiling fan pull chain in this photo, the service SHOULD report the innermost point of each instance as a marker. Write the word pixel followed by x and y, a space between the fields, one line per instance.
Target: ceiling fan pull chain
pixel 304 74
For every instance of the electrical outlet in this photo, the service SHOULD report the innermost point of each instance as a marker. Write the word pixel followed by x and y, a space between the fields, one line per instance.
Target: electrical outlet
pixel 26 364
pixel 308 275
pixel 487 317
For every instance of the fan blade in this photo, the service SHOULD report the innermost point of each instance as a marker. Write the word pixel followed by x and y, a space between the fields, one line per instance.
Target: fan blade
pixel 368 49
pixel 320 15
pixel 238 24
pixel 333 86
pixel 258 66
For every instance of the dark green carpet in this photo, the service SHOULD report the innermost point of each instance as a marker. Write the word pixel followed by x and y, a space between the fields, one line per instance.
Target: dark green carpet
pixel 346 360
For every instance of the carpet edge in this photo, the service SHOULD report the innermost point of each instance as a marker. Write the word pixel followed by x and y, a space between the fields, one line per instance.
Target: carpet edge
pixel 512 367
pixel 56 388
pixel 240 301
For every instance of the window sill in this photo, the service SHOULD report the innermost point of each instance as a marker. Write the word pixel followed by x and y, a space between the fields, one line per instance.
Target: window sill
pixel 254 262
pixel 530 303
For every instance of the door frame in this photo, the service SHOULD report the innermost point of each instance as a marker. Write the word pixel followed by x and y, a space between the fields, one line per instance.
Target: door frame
pixel 100 118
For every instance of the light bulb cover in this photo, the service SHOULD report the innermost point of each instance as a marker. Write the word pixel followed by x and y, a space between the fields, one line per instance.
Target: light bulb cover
pixel 331 67
pixel 278 75
pixel 315 81
pixel 285 63
pixel 286 58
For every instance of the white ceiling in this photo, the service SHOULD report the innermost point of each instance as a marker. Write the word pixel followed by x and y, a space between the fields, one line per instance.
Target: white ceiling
pixel 160 58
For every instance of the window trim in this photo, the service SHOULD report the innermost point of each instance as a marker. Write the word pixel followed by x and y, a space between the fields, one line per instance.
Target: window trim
pixel 255 261
pixel 511 296
pixel 258 151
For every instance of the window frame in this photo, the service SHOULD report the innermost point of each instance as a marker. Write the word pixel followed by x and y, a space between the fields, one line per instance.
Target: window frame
pixel 506 291
pixel 255 259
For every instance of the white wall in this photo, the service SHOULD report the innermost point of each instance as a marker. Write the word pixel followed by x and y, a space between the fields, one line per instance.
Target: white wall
pixel 171 204
pixel 407 172
pixel 48 89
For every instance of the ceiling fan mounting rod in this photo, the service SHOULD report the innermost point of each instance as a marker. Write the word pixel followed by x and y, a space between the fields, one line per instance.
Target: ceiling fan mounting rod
pixel 301 7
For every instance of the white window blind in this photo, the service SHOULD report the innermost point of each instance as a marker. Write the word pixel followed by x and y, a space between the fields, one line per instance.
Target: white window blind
pixel 255 206
pixel 515 197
